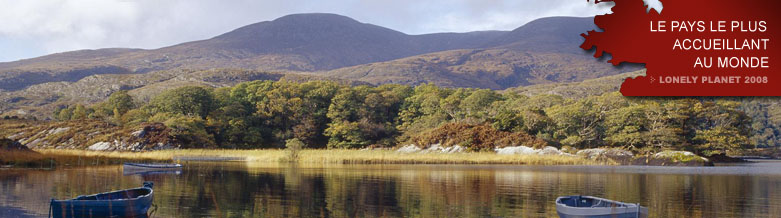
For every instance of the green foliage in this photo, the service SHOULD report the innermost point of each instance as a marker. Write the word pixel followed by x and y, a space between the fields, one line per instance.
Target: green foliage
pixel 191 131
pixel 345 135
pixel 64 114
pixel 293 148
pixel 117 116
pixel 578 123
pixel 765 113
pixel 188 100
pixel 627 126
pixel 135 116
pixel 120 102
pixel 322 114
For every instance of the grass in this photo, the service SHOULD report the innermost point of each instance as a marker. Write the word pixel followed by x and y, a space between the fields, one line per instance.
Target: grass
pixel 45 157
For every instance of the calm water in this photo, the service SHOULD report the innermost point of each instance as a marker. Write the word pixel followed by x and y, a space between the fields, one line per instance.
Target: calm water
pixel 262 190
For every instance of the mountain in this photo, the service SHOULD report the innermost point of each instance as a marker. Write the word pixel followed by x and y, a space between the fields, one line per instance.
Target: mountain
pixel 551 34
pixel 542 51
pixel 300 42
pixel 305 47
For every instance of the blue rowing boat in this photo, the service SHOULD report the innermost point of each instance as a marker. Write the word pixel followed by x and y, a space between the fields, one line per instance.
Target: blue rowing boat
pixel 124 203
pixel 594 207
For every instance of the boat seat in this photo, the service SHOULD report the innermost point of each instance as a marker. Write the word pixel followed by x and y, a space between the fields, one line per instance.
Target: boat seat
pixel 598 203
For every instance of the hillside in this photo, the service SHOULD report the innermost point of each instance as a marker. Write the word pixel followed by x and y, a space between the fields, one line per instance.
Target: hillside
pixel 304 47
pixel 300 42
pixel 540 52
pixel 42 99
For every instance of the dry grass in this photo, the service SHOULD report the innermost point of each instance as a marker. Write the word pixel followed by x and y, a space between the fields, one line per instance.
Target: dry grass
pixel 339 156
pixel 21 158
pixel 392 157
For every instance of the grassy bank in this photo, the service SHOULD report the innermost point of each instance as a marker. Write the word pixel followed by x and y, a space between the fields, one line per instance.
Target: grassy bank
pixel 47 157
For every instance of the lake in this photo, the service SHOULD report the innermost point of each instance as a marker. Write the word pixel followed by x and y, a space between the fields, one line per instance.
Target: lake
pixel 238 189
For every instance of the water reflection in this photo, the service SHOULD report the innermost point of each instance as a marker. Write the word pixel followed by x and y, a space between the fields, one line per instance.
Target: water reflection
pixel 271 190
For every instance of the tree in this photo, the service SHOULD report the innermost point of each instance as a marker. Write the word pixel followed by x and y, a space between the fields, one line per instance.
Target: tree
pixel 117 116
pixel 627 126
pixel 422 110
pixel 722 128
pixel 191 131
pixel 577 123
pixel 65 114
pixel 79 112
pixel 478 104
pixel 188 100
pixel 665 129
pixel 120 101
pixel 345 135
pixel 507 120
pixel 369 111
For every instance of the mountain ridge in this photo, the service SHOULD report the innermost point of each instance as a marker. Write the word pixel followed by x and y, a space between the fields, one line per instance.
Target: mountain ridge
pixel 314 46
pixel 300 42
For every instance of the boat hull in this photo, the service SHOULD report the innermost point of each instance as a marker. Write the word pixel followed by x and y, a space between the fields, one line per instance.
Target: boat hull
pixel 137 166
pixel 122 203
pixel 605 208
pixel 149 169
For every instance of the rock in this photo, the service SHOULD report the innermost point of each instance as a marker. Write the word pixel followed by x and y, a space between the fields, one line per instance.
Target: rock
pixel 596 153
pixel 138 134
pixel 516 150
pixel 683 156
pixel 672 158
pixel 616 154
pixel 11 145
pixel 454 149
pixel 437 148
pixel 569 150
pixel 58 130
pixel 409 149
pixel 523 150
pixel 36 142
pixel 665 154
pixel 100 146
pixel 548 150
pixel 16 136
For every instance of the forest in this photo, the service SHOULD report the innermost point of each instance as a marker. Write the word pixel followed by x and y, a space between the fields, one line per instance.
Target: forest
pixel 326 114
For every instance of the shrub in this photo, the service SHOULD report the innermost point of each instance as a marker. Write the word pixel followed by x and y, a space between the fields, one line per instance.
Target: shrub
pixel 476 137
pixel 294 147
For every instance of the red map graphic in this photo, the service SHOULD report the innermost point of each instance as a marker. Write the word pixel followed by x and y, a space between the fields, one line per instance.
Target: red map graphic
pixel 633 34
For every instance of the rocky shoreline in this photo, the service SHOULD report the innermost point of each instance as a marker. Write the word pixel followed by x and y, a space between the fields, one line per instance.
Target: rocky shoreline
pixel 615 155
pixel 100 136
pixel 94 135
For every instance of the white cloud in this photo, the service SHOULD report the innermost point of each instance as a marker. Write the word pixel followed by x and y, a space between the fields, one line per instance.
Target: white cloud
pixel 37 27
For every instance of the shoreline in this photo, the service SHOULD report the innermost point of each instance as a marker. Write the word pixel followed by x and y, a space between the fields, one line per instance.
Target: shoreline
pixel 67 157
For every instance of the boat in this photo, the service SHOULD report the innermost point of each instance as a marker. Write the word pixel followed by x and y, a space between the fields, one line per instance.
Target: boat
pixel 151 172
pixel 150 169
pixel 144 166
pixel 133 202
pixel 594 207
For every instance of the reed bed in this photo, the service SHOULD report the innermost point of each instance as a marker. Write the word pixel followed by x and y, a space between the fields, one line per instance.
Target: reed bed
pixel 45 157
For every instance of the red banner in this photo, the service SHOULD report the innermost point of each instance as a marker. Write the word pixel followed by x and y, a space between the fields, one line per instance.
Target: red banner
pixel 694 47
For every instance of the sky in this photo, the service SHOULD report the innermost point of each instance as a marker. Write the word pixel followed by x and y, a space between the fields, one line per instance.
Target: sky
pixel 33 28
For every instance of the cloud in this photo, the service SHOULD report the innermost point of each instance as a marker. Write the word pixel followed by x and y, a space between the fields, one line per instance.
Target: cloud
pixel 36 27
